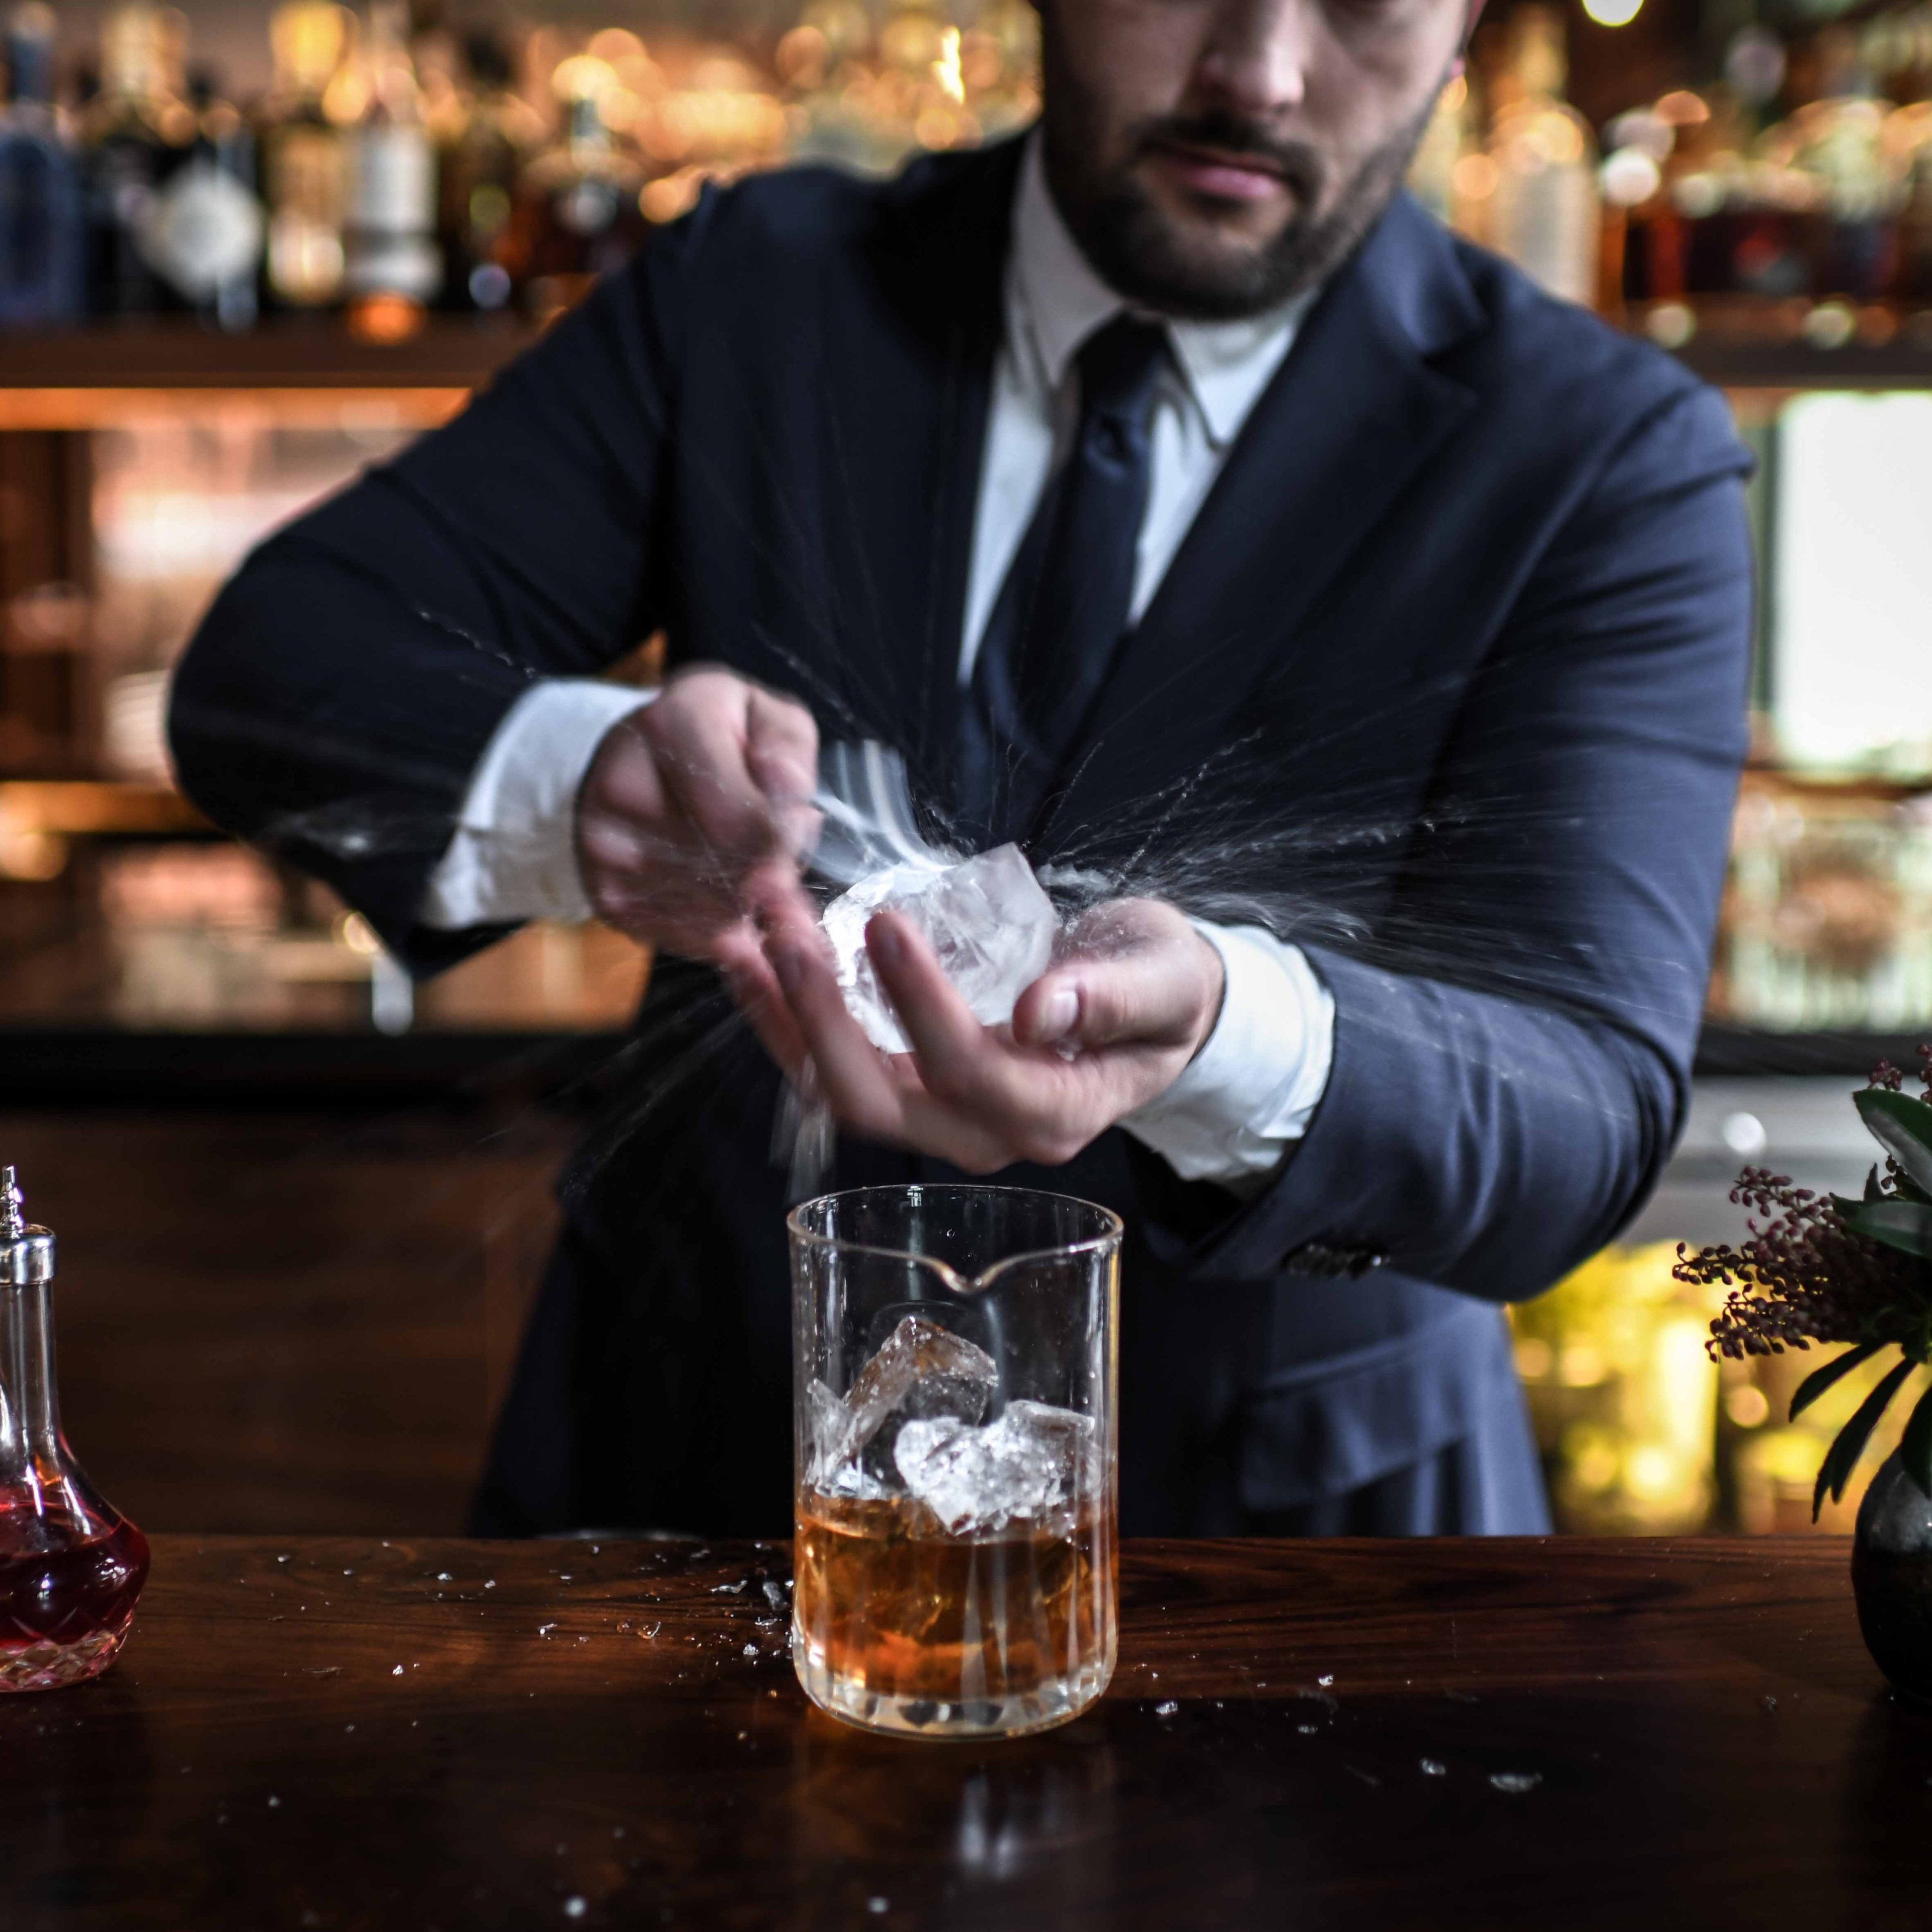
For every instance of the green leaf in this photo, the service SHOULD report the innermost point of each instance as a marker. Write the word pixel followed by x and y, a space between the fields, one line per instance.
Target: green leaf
pixel 1819 1380
pixel 1842 1458
pixel 1872 1190
pixel 1903 1127
pixel 1906 1226
pixel 1915 1451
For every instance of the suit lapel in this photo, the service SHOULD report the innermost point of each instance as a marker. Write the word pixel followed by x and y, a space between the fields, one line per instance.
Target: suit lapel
pixel 1353 413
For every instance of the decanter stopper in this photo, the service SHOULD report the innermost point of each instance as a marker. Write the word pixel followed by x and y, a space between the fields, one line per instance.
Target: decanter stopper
pixel 26 1252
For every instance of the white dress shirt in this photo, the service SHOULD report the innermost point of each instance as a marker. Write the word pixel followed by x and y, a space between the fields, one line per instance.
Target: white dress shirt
pixel 1249 1092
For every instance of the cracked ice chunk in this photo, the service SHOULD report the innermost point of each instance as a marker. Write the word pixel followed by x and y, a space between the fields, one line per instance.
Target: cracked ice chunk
pixel 920 1371
pixel 987 920
pixel 1027 1464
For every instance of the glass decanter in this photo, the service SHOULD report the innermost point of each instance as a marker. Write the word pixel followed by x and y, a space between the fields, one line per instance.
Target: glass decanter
pixel 71 1565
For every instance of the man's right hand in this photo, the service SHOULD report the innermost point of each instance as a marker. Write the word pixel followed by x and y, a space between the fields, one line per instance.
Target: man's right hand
pixel 693 815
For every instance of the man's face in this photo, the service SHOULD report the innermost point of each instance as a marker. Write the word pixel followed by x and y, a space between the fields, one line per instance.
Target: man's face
pixel 1214 157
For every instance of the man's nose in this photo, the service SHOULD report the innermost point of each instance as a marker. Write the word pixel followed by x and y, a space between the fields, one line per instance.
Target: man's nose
pixel 1256 57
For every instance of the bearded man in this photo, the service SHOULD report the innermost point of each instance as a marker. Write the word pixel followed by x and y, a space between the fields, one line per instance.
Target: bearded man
pixel 1185 504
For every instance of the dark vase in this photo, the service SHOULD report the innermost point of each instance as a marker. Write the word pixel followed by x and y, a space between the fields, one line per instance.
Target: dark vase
pixel 1891 1577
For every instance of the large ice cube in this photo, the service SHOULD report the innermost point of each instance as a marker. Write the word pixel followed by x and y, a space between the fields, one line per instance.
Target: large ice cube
pixel 987 918
pixel 1030 1462
pixel 921 1371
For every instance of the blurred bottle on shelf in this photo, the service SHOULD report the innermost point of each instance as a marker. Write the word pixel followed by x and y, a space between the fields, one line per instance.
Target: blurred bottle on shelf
pixel 391 267
pixel 478 167
pixel 304 156
pixel 134 135
pixel 203 230
pixel 42 226
pixel 1542 212
pixel 1837 142
pixel 1439 175
pixel 580 216
pixel 1909 137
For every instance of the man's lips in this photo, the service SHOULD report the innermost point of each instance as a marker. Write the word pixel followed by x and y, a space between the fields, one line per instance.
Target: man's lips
pixel 1218 172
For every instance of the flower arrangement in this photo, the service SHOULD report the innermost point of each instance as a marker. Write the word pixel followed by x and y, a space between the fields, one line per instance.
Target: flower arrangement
pixel 1824 1269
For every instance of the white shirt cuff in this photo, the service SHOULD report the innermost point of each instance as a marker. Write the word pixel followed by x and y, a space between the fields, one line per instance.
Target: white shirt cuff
pixel 1251 1090
pixel 513 856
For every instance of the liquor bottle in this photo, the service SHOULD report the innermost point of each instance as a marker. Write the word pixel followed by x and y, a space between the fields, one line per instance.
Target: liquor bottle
pixel 1543 213
pixel 580 214
pixel 71 1565
pixel 477 171
pixel 392 268
pixel 1910 129
pixel 203 230
pixel 134 135
pixel 42 228
pixel 1837 140
pixel 305 159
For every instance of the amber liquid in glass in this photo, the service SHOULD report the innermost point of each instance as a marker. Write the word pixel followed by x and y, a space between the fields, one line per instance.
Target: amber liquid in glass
pixel 67 1594
pixel 900 1624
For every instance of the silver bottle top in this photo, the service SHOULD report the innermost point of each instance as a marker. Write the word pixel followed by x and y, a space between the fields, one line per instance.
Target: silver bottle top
pixel 26 1253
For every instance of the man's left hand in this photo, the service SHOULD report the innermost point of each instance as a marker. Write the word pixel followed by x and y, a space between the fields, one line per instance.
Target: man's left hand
pixel 1105 1029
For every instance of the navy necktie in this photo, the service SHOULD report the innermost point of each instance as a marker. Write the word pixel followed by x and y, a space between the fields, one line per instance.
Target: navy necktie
pixel 1063 610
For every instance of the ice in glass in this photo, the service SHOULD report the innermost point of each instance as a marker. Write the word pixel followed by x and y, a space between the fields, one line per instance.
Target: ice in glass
pixel 955 1369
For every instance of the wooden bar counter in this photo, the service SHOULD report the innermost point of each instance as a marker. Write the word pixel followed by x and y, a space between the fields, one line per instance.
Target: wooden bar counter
pixel 351 1733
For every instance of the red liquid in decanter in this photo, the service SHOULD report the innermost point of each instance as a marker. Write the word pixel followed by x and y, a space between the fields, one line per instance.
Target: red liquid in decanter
pixel 71 1565
pixel 67 1590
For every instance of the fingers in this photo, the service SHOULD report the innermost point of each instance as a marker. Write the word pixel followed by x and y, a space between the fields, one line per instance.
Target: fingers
pixel 697 732
pixel 972 1094
pixel 958 1060
pixel 755 988
pixel 981 1101
pixel 852 1075
pixel 695 810
pixel 1138 974
pixel 781 745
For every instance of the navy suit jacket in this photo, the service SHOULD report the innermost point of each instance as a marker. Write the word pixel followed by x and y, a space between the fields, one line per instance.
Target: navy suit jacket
pixel 1446 682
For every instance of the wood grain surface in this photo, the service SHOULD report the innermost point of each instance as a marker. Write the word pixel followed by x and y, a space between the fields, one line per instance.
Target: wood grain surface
pixel 1557 1733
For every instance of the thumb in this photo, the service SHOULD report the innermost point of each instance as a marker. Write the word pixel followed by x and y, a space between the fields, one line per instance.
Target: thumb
pixel 1163 996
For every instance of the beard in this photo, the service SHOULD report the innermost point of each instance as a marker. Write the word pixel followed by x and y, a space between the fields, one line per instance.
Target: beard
pixel 1148 255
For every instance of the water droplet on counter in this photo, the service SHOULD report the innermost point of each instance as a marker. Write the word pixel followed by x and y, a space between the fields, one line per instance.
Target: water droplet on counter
pixel 1166 1707
pixel 575 1908
pixel 444 1576
pixel 878 1905
pixel 1516 1782
pixel 1324 1682
pixel 1431 1768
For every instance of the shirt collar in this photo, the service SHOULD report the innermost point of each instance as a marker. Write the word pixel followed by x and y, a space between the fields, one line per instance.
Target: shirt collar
pixel 1055 301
